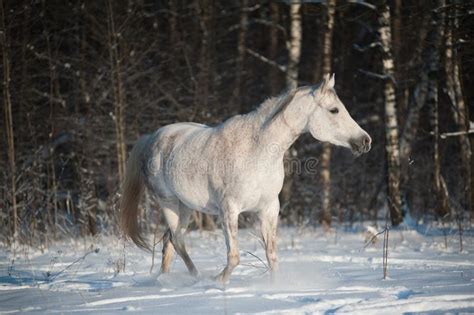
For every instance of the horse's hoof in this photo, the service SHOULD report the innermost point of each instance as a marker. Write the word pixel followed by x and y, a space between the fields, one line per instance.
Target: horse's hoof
pixel 221 279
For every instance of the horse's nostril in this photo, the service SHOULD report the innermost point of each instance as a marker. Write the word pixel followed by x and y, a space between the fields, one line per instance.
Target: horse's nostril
pixel 361 144
pixel 366 141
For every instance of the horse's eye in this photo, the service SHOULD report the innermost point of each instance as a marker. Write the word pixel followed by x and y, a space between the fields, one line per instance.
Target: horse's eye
pixel 334 111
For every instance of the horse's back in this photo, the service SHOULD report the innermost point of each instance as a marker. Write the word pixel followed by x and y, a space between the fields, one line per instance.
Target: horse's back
pixel 165 140
pixel 180 129
pixel 172 149
pixel 171 135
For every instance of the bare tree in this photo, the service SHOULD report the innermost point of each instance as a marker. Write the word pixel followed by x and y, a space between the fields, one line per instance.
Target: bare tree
pixel 206 19
pixel 421 56
pixel 118 93
pixel 442 205
pixel 400 73
pixel 273 47
pixel 241 47
pixel 418 97
pixel 391 122
pixel 459 109
pixel 325 216
pixel 294 54
pixel 53 98
pixel 205 10
pixel 9 124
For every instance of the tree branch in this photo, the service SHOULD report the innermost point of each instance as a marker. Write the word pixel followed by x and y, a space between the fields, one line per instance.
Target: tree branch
pixel 266 60
pixel 271 24
pixel 373 74
pixel 367 47
pixel 455 133
pixel 363 3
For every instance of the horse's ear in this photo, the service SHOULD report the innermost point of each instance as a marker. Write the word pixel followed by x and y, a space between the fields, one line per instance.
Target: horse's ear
pixel 332 81
pixel 328 82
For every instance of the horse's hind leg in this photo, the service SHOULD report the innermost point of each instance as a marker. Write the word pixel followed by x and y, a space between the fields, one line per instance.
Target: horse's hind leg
pixel 168 251
pixel 177 218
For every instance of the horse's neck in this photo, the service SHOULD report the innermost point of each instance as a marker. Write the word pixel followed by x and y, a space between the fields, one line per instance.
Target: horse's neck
pixel 282 130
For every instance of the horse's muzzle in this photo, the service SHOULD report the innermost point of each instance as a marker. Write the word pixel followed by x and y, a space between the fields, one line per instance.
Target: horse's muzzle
pixel 361 145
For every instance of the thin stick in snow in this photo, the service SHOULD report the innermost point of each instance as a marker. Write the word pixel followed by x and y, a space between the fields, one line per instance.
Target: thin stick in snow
pixel 385 252
pixel 155 242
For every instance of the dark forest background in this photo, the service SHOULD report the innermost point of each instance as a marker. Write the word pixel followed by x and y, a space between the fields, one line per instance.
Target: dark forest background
pixel 82 80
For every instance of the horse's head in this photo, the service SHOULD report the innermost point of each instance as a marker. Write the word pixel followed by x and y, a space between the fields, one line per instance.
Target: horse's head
pixel 330 121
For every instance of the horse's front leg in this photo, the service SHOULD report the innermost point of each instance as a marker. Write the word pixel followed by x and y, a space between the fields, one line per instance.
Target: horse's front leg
pixel 230 215
pixel 269 222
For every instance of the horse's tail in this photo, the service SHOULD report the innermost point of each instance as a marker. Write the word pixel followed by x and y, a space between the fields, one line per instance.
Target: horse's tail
pixel 132 191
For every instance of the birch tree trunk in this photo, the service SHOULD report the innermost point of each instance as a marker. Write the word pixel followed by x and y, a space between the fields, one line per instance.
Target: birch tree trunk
pixel 442 204
pixel 294 53
pixel 294 46
pixel 391 122
pixel 13 216
pixel 325 215
pixel 397 37
pixel 460 113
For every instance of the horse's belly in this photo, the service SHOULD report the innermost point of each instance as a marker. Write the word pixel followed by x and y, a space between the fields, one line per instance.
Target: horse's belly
pixel 197 197
pixel 190 185
pixel 256 192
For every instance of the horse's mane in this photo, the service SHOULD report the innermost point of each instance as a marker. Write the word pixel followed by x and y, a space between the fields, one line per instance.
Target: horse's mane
pixel 273 106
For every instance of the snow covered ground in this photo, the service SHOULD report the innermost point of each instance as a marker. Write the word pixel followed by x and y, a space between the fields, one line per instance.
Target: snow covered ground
pixel 319 273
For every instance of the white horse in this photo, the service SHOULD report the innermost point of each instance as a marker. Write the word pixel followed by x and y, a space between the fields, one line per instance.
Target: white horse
pixel 233 167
